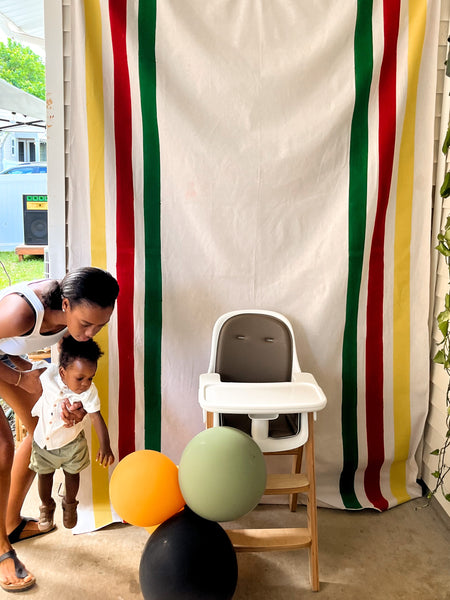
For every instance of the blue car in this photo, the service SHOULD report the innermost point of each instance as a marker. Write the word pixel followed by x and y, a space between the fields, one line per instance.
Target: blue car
pixel 33 167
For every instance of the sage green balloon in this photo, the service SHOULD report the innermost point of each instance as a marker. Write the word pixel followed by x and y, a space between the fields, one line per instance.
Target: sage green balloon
pixel 222 474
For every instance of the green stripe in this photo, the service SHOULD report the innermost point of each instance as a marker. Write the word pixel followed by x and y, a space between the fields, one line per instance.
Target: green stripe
pixel 152 188
pixel 356 238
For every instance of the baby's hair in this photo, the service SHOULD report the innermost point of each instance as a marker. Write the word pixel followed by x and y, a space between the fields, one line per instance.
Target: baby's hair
pixel 87 284
pixel 70 350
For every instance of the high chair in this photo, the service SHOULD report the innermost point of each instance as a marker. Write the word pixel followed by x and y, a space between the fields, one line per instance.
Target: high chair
pixel 254 383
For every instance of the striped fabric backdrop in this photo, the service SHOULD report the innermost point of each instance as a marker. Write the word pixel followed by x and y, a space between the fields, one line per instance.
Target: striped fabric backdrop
pixel 273 155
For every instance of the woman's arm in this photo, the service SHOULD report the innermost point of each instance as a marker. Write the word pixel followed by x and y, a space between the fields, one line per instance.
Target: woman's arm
pixel 17 317
pixel 72 413
pixel 26 380
pixel 104 456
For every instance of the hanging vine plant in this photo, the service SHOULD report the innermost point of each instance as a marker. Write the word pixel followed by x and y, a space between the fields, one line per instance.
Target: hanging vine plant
pixel 442 357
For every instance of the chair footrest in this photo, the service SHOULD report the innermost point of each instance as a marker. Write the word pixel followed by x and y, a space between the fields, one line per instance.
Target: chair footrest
pixel 286 483
pixel 259 540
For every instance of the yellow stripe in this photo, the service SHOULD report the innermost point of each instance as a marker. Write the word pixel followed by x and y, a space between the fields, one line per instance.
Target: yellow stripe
pixel 402 256
pixel 96 147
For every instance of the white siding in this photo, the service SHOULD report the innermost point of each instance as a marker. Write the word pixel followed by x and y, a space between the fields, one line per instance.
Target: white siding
pixel 436 426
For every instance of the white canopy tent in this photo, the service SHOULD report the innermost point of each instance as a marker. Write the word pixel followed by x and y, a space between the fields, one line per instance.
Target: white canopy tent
pixel 22 22
pixel 18 108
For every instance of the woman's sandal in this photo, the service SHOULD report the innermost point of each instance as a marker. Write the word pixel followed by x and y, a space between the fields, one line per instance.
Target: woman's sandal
pixel 69 514
pixel 21 573
pixel 46 514
pixel 20 533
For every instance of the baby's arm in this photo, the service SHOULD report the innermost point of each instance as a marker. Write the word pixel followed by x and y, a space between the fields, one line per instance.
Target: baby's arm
pixel 104 456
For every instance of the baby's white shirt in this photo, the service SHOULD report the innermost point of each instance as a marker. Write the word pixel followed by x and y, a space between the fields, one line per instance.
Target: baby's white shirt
pixel 50 432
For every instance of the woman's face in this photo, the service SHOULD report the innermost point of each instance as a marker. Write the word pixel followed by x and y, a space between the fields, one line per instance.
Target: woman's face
pixel 85 320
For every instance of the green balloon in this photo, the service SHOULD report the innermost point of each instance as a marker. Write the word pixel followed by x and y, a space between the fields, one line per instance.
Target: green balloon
pixel 222 474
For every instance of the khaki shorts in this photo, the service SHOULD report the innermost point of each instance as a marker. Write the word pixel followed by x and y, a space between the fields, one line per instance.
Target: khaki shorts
pixel 73 457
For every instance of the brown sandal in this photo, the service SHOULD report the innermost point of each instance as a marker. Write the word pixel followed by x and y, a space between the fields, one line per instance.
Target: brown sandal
pixel 69 514
pixel 46 513
pixel 28 580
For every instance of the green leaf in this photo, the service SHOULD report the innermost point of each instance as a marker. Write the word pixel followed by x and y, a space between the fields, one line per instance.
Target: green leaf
pixel 443 327
pixel 439 358
pixel 446 143
pixel 442 249
pixel 447 301
pixel 447 225
pixel 447 497
pixel 436 474
pixel 435 452
pixel 443 316
pixel 445 187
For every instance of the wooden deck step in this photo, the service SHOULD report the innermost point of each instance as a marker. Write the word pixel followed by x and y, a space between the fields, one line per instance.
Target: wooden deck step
pixel 260 540
pixel 286 483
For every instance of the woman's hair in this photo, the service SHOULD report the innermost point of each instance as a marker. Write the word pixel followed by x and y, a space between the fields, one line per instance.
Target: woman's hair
pixel 87 284
pixel 70 350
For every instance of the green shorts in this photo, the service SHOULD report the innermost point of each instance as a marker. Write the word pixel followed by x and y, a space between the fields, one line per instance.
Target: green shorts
pixel 73 457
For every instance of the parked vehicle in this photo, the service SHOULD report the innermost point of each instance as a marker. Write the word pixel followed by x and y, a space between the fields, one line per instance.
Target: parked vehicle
pixel 23 168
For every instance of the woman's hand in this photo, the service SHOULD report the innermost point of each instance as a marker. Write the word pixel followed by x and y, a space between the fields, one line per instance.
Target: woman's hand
pixel 30 382
pixel 105 457
pixel 72 413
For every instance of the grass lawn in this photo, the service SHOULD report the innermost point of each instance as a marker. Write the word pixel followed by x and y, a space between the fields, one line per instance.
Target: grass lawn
pixel 12 270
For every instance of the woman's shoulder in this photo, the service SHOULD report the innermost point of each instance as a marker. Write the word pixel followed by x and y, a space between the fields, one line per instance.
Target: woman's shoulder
pixel 17 317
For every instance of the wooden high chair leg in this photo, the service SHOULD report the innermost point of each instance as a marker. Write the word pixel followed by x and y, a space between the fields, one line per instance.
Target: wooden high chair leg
pixel 296 468
pixel 311 508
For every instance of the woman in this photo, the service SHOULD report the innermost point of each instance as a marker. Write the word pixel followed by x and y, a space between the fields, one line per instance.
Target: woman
pixel 32 316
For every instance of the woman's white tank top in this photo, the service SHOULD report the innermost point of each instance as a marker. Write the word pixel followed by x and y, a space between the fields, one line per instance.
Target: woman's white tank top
pixel 33 341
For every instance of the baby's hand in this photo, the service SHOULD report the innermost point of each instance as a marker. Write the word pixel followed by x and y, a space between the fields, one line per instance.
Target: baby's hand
pixel 105 457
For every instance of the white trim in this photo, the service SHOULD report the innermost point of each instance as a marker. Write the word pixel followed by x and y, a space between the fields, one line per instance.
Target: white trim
pixel 53 18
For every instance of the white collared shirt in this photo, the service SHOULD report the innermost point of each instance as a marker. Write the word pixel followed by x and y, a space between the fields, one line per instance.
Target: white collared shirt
pixel 50 432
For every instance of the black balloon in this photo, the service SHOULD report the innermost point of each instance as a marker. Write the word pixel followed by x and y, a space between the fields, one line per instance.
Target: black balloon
pixel 188 558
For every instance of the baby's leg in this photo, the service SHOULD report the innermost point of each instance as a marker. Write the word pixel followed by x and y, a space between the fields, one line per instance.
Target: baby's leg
pixel 70 501
pixel 47 508
pixel 45 485
pixel 72 486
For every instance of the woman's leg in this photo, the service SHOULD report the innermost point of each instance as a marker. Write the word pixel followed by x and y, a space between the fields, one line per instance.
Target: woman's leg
pixel 7 569
pixel 21 476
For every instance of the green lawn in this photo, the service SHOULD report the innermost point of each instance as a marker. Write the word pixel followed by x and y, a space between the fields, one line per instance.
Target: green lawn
pixel 12 270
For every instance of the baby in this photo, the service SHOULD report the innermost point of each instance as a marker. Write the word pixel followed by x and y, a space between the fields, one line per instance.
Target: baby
pixel 57 445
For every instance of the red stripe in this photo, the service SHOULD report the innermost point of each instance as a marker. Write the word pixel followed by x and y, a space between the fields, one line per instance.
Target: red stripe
pixel 374 340
pixel 124 227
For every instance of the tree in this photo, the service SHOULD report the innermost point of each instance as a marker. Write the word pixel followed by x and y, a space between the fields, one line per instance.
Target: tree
pixel 22 67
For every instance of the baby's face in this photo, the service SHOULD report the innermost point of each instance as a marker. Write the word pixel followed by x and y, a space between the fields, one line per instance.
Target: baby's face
pixel 78 375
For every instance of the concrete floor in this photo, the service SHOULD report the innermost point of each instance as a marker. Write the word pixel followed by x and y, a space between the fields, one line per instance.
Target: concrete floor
pixel 403 553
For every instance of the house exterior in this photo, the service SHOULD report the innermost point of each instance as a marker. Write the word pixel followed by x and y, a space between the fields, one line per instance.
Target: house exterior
pixel 18 144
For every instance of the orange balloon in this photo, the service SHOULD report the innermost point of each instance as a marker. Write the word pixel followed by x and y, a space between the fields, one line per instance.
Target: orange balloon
pixel 152 528
pixel 144 488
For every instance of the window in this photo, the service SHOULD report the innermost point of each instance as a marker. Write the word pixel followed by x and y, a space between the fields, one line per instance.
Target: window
pixel 27 150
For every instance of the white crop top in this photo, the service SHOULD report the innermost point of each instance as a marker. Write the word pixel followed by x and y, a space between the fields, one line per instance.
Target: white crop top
pixel 33 341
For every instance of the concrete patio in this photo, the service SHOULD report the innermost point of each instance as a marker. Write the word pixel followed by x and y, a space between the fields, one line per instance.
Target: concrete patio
pixel 400 554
